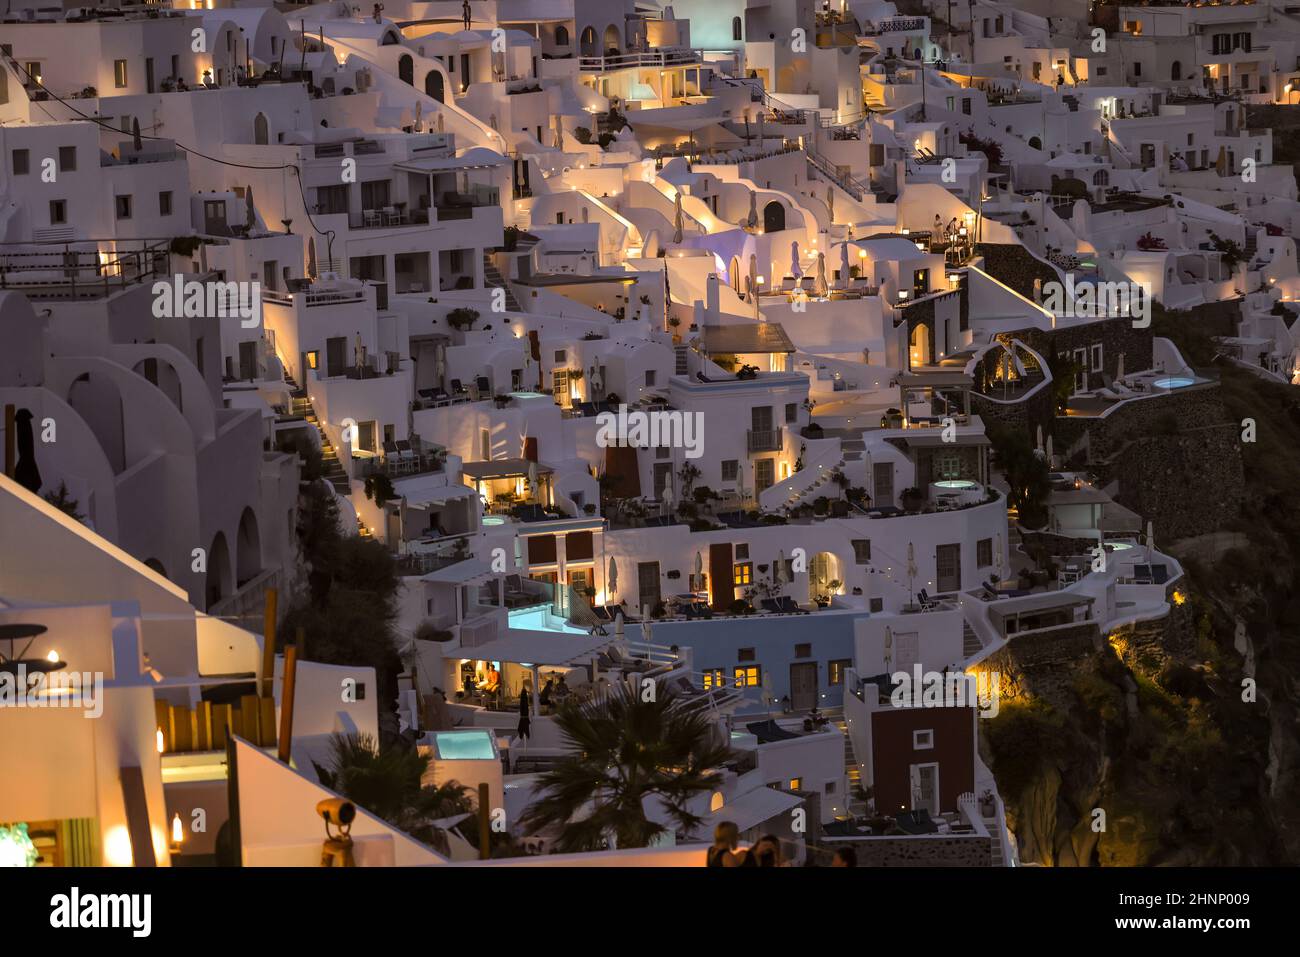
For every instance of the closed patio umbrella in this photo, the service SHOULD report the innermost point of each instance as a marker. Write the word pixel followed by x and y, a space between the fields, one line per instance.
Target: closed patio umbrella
pixel 419 112
pixel 846 270
pixel 889 647
pixel 820 286
pixel 618 626
pixel 830 202
pixel 250 212
pixel 1119 367
pixel 795 269
pixel 1151 539
pixel 533 491
pixel 778 571
pixel 1038 444
pixel 1049 451
pixel 611 576
pixel 678 224
pixel 311 257
pixel 699 568
pixel 752 220
pixel 911 569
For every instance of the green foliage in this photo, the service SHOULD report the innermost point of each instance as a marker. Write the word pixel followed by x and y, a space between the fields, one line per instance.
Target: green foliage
pixel 625 750
pixel 1026 473
pixel 64 502
pixel 379 488
pixel 1023 737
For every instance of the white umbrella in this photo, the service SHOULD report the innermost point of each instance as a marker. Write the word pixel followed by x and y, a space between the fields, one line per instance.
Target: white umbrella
pixel 1038 443
pixel 419 111
pixel 830 202
pixel 647 631
pixel 666 500
pixel 1049 451
pixel 753 272
pixel 752 220
pixel 845 268
pixel 611 577
pixel 1151 539
pixel 997 554
pixel 559 132
pixel 533 490
pixel 795 269
pixel 1119 367
pixel 778 572
pixel 618 626
pixel 440 122
pixel 699 568
pixel 677 219
pixel 820 286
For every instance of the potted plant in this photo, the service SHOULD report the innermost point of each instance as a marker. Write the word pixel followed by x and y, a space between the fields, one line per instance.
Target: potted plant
pixel 912 499
pixel 462 318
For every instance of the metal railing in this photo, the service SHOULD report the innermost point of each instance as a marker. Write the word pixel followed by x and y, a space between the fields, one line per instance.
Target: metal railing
pixel 765 440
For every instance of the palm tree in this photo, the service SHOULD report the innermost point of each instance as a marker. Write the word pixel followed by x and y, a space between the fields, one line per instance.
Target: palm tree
pixel 386 782
pixel 627 749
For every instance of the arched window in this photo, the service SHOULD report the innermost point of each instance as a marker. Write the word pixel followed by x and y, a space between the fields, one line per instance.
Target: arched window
pixel 1035 142
pixel 588 41
pixel 561 36
pixel 1176 70
pixel 737 29
pixel 773 217
pixel 433 85
pixel 1101 178
pixel 261 130
pixel 406 69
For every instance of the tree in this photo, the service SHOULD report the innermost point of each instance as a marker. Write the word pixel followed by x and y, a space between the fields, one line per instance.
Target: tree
pixel 1026 473
pixel 62 500
pixel 387 783
pixel 626 750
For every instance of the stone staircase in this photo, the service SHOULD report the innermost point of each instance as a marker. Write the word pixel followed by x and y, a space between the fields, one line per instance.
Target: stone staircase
pixel 493 279
pixel 856 806
pixel 301 405
pixel 1252 245
pixel 813 491
pixel 970 642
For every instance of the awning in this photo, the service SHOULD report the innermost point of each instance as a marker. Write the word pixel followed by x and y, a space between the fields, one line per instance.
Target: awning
pixel 476 158
pixel 435 495
pixel 753 808
pixel 502 468
pixel 744 337
pixel 461 573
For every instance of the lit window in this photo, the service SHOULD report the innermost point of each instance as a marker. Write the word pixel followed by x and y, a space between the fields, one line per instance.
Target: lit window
pixel 119 74
pixel 835 670
pixel 796 784
pixel 747 676
pixel 714 678
pixel 743 573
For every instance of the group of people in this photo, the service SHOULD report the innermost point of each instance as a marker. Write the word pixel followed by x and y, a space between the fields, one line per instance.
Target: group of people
pixel 554 693
pixel 765 852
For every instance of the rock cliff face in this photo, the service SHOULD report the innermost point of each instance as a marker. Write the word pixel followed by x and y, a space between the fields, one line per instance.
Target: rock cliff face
pixel 1174 741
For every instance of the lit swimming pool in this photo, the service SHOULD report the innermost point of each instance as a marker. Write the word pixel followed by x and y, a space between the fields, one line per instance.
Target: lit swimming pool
pixel 1174 382
pixel 526 395
pixel 1118 546
pixel 493 520
pixel 541 619
pixel 956 485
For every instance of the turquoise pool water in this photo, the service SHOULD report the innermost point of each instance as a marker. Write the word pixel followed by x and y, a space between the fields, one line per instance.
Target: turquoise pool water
pixel 535 619
pixel 493 520
pixel 961 484
pixel 1174 382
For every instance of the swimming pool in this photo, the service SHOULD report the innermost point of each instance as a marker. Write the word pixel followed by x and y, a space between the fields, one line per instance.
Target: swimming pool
pixel 956 485
pixel 1117 546
pixel 541 619
pixel 1174 382
pixel 493 520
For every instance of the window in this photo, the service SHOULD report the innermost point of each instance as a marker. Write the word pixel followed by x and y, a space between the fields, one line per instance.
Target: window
pixel 747 676
pixel 922 740
pixel 737 30
pixel 835 670
pixel 123 207
pixel 165 203
pixel 948 465
pixel 742 573
pixel 561 36
pixel 21 162
pixel 33 70
pixel 965 105
pixel 1137 68
pixel 803 650
pixel 745 654
pixel 1096 357
pixel 119 74
pixel 796 784
pixel 862 551
pixel 714 678
pixel 67 159
pixel 649 377
pixel 1134 27
pixel 560 355
pixel 830 787
pixel 791 412
pixel 58 211
pixel 730 468
pixel 984 553
pixel 742 552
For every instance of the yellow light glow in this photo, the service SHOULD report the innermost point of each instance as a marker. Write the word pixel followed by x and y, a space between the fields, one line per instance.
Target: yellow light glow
pixel 117 847
pixel 1179 598
pixel 52 657
pixel 160 741
pixel 178 830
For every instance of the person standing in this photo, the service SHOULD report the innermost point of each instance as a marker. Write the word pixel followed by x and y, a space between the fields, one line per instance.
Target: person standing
pixel 525 715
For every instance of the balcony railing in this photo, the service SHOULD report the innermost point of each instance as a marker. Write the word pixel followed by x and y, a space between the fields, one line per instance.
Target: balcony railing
pixel 766 440
pixel 644 58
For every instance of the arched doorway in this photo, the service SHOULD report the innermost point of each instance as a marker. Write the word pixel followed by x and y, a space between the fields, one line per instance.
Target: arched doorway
pixel 1176 70
pixel 737 31
pixel 248 549
pixel 824 576
pixel 218 584
pixel 613 42
pixel 561 36
pixel 587 42
pixel 433 85
pixel 96 399
pixel 918 346
pixel 733 273
pixel 1035 143
pixel 773 217
pixel 261 130
pixel 406 69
